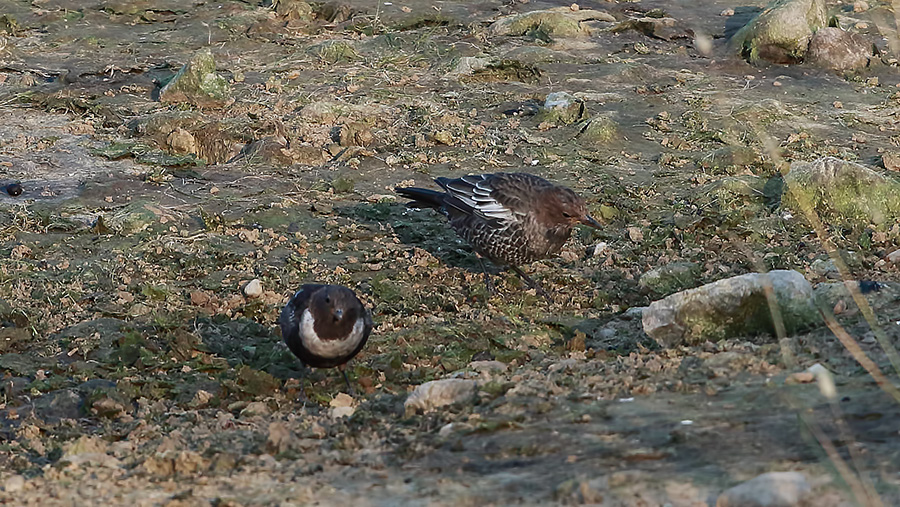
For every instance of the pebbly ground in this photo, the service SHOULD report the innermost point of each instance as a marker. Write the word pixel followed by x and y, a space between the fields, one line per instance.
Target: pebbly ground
pixel 135 370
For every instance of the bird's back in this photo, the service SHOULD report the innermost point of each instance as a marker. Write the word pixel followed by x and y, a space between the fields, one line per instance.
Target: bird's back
pixel 495 213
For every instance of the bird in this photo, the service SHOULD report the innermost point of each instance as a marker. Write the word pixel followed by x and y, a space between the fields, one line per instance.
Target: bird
pixel 325 326
pixel 509 218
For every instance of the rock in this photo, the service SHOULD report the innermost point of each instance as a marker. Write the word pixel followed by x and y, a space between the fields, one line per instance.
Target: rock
pixel 14 483
pixel 201 399
pixel 334 51
pixel 468 65
pixel 335 11
pixel 97 339
pixel 253 289
pixel 293 10
pixel 773 489
pixel 825 268
pixel 198 84
pixel 562 108
pixel 57 405
pixel 343 405
pixel 578 492
pixel 843 193
pixel 893 257
pixel 557 22
pixel 670 278
pixel 356 134
pixel 488 366
pixel 731 307
pixel 665 28
pixel 22 364
pixel 181 141
pixel 255 408
pixel 830 294
pixel 729 159
pixel 891 160
pixel 781 32
pixel 438 393
pixel 90 459
pixel 134 217
pixel 836 49
pixel 598 131
pixel 280 438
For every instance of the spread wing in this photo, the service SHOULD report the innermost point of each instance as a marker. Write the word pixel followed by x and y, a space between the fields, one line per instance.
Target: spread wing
pixel 497 197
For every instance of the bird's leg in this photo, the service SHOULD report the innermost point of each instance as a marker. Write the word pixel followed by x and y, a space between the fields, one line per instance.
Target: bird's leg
pixel 488 282
pixel 350 389
pixel 531 283
pixel 302 398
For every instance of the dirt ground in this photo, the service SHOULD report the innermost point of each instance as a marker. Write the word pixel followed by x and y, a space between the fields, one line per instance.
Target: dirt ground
pixel 135 371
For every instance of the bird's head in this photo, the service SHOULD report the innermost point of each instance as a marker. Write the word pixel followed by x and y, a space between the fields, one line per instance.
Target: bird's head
pixel 561 206
pixel 334 305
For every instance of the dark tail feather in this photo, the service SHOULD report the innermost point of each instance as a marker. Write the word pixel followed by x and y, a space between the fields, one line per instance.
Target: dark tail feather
pixel 422 197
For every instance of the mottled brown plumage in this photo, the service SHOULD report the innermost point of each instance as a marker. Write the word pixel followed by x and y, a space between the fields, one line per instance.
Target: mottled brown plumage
pixel 510 218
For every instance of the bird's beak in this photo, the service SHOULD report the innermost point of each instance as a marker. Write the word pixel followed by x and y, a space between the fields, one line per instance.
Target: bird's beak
pixel 338 313
pixel 589 221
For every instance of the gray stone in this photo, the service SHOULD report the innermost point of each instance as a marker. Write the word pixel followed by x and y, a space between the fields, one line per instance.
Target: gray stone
pixel 96 339
pixel 60 404
pixel 843 193
pixel 836 49
pixel 670 278
pixel 562 108
pixel 773 489
pixel 881 296
pixel 731 307
pixel 781 32
pixel 468 65
pixel 22 364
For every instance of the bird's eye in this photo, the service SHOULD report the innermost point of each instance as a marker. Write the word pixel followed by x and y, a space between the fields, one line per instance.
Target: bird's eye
pixel 327 300
pixel 566 215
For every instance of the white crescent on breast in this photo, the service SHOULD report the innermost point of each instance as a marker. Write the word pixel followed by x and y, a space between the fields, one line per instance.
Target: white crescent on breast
pixel 328 348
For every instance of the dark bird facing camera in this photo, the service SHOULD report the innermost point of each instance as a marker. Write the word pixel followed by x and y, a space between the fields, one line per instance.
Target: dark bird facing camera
pixel 325 326
pixel 510 218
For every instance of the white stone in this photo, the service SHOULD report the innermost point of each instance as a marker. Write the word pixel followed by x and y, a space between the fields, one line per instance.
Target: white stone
pixel 14 483
pixel 253 289
pixel 439 393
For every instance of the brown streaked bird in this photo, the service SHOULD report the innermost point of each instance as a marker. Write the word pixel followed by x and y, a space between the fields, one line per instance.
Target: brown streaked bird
pixel 510 218
pixel 325 326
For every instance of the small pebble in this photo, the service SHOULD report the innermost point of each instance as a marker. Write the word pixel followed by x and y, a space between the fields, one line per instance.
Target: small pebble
pixel 14 483
pixel 14 189
pixel 253 288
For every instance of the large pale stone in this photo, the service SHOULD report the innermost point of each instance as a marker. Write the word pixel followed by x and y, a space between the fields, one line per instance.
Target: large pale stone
pixel 732 307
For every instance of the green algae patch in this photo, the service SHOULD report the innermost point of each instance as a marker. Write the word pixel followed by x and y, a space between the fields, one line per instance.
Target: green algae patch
pixel 543 24
pixel 198 84
pixel 334 51
pixel 598 131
